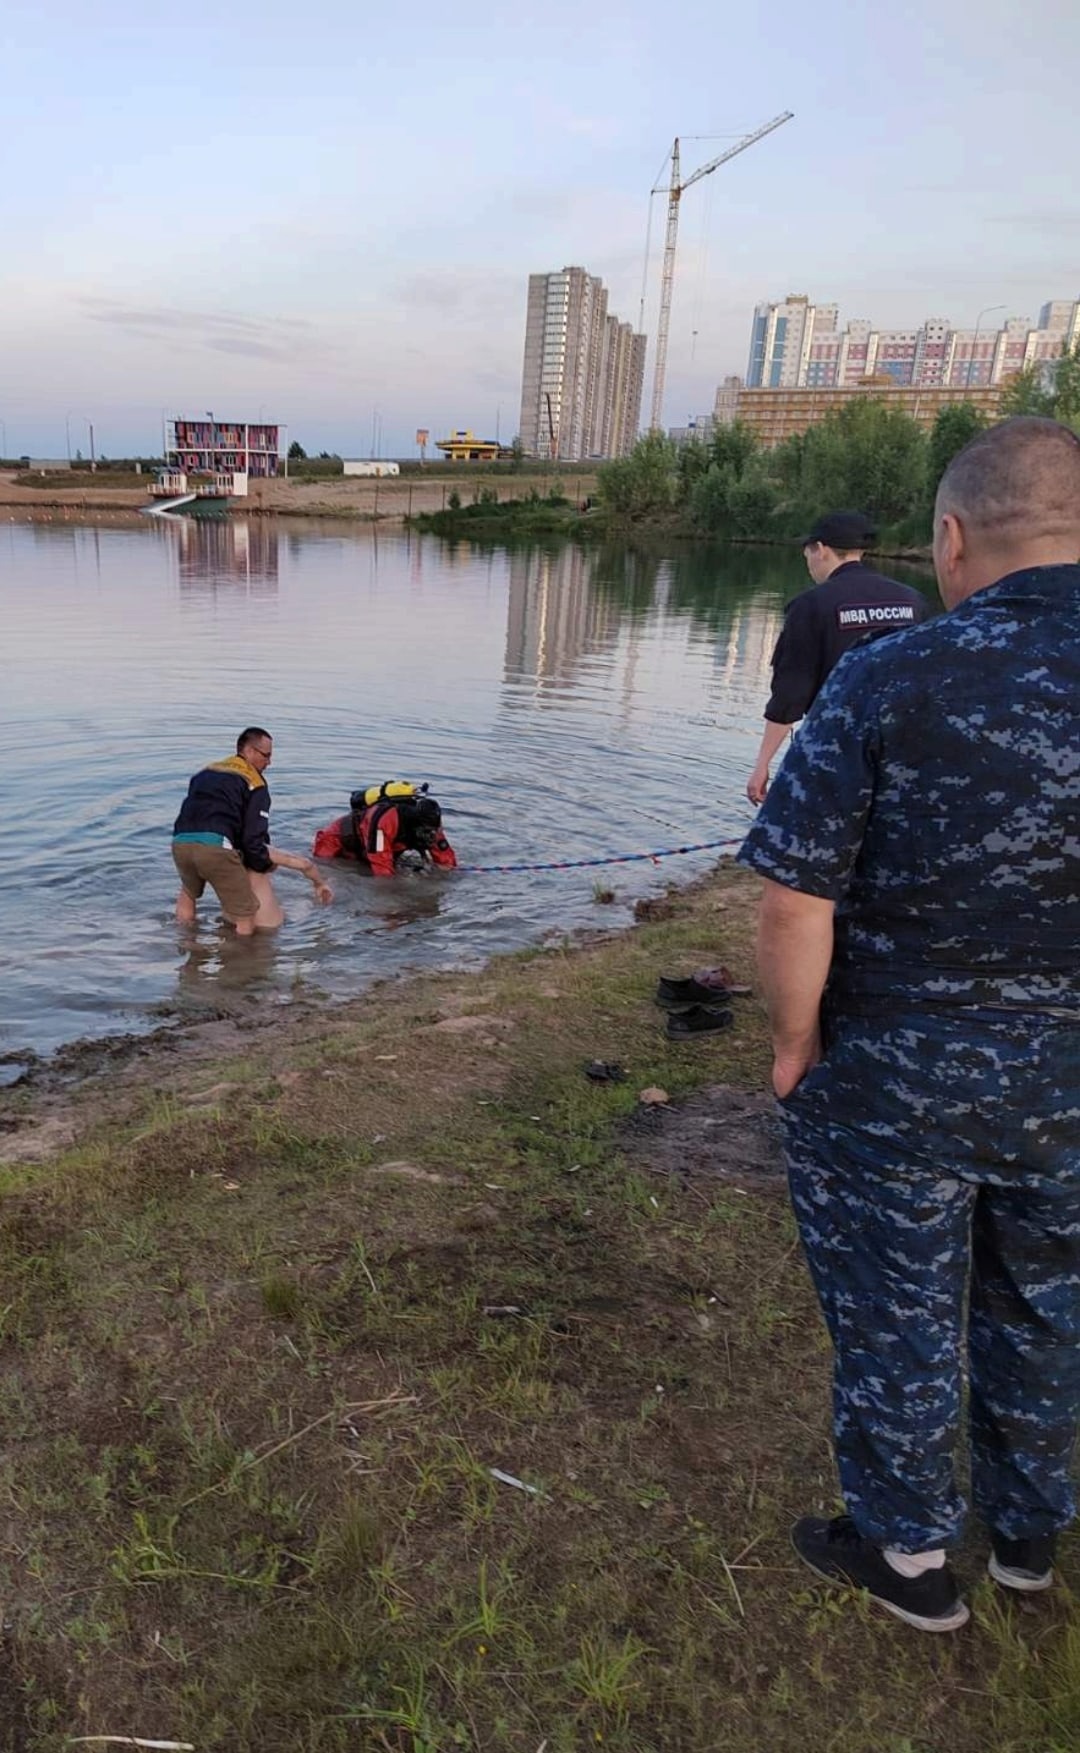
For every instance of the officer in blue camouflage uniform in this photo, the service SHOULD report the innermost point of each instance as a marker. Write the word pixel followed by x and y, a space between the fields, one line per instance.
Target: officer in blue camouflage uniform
pixel 919 946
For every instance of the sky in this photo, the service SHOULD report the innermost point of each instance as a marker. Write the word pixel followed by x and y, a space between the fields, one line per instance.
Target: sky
pixel 327 217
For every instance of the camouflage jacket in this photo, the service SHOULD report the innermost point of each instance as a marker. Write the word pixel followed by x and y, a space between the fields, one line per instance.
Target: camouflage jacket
pixel 934 794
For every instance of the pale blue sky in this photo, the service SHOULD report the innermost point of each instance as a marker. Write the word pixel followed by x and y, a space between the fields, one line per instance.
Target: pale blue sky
pixel 322 211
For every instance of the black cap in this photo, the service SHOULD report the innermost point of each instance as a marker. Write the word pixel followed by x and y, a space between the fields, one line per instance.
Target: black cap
pixel 845 531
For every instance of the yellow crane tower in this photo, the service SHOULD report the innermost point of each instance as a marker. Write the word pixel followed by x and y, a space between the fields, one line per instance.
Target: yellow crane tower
pixel 675 191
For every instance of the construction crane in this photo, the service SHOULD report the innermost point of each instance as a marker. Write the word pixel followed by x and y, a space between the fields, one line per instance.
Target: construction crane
pixel 675 191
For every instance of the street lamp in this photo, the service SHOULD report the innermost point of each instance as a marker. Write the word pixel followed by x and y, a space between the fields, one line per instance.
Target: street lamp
pixel 3 441
pixel 989 309
pixel 90 428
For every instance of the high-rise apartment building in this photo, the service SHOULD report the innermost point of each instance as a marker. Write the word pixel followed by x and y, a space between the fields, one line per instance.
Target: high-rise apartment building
pixel 798 345
pixel 583 371
pixel 782 341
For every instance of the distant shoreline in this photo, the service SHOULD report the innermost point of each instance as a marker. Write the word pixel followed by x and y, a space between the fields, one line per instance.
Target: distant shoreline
pixel 385 501
pixel 404 501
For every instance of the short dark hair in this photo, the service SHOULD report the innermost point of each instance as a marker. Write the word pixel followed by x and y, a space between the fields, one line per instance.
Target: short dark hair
pixel 249 735
pixel 1019 478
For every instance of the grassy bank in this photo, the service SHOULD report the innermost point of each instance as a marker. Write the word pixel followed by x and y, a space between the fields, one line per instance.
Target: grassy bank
pixel 534 515
pixel 272 1320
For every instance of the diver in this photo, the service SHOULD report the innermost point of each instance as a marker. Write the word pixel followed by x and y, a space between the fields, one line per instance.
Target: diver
pixel 384 823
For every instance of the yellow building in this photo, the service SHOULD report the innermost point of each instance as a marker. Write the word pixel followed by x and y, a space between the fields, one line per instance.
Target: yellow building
pixel 778 414
pixel 463 447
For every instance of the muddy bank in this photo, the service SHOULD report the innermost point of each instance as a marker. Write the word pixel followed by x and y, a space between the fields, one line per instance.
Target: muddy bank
pixel 47 1102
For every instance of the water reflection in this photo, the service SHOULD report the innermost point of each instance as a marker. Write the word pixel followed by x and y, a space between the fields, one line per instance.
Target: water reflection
pixel 219 965
pixel 554 615
pixel 568 603
pixel 229 552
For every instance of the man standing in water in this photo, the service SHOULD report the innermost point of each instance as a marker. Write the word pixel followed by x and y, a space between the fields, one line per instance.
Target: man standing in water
pixel 848 602
pixel 921 850
pixel 222 837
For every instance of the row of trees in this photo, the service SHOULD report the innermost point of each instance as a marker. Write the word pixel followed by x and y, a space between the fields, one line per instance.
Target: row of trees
pixel 867 455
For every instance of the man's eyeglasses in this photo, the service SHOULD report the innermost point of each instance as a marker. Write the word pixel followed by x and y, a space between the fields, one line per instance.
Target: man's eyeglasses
pixel 265 753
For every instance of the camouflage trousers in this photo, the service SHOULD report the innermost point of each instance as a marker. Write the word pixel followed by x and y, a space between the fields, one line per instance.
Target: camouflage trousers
pixel 934 1167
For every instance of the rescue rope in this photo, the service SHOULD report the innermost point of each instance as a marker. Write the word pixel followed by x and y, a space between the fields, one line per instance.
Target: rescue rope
pixel 591 863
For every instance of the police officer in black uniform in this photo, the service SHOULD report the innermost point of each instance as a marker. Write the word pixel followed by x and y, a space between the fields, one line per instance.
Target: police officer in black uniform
pixel 848 602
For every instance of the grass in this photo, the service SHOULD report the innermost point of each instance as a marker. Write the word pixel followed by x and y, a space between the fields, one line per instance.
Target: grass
pixel 259 1360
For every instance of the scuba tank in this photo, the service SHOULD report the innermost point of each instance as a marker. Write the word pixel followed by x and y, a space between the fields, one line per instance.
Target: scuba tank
pixel 390 788
pixel 419 816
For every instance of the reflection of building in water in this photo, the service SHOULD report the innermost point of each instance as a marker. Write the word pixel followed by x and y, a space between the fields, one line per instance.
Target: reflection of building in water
pixel 553 617
pixel 746 654
pixel 229 551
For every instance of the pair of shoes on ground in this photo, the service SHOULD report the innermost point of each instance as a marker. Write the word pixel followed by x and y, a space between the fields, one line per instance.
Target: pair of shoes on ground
pixel 838 1553
pixel 695 1005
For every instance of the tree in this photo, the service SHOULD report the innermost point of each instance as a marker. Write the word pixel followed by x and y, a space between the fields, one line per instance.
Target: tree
pixel 643 484
pixel 1026 394
pixel 1049 388
pixel 1066 395
pixel 867 456
pixel 297 453
pixel 955 426
pixel 726 503
pixel 734 447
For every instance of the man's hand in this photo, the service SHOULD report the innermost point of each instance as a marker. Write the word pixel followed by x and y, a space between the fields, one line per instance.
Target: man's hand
pixel 323 892
pixel 789 1068
pixel 773 738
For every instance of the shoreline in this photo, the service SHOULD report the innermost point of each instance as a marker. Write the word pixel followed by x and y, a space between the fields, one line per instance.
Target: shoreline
pixel 388 501
pixel 128 516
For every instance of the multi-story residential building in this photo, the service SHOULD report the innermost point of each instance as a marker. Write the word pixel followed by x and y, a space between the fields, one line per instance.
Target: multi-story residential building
pixel 622 378
pixel 698 430
pixel 782 341
pixel 211 446
pixel 583 371
pixel 778 414
pixel 798 345
pixel 700 427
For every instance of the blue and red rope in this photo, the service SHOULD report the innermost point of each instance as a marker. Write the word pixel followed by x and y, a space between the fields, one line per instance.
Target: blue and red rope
pixel 592 863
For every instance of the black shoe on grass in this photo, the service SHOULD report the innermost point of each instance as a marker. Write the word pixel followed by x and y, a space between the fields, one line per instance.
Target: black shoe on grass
pixel 698 1020
pixel 679 994
pixel 1024 1565
pixel 837 1552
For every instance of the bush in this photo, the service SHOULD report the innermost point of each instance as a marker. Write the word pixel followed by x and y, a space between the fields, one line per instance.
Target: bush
pixel 643 484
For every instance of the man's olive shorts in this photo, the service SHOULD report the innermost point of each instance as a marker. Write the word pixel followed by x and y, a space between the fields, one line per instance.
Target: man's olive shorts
pixel 223 869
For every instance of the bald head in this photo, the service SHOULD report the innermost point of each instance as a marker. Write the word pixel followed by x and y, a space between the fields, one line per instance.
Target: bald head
pixel 1009 500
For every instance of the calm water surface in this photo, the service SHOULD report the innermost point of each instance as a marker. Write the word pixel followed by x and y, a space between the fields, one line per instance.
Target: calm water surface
pixel 562 703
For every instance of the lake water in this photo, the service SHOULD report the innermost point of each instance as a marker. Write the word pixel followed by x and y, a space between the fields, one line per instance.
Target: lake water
pixel 562 702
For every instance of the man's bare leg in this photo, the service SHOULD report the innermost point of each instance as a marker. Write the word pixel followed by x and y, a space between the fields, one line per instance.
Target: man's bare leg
pixel 185 909
pixel 270 914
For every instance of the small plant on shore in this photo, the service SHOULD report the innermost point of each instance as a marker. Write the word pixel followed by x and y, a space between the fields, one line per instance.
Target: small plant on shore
pixel 281 1296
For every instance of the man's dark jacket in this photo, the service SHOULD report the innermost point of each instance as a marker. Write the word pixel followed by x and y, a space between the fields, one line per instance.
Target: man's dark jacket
pixel 231 800
pixel 823 623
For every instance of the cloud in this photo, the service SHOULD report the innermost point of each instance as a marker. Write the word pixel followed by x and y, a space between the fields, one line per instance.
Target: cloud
pixel 276 338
